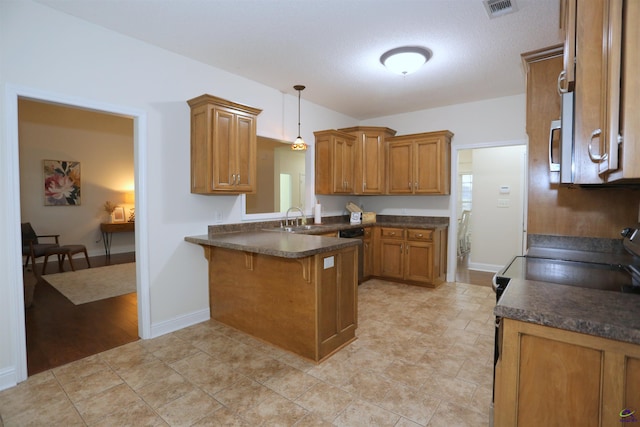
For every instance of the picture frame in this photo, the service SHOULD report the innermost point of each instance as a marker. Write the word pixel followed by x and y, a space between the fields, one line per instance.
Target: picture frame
pixel 118 214
pixel 61 183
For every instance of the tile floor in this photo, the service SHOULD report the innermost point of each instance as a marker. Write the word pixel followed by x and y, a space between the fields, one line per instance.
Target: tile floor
pixel 423 357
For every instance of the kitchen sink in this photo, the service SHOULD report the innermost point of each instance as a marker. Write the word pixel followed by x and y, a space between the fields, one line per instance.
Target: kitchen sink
pixel 297 228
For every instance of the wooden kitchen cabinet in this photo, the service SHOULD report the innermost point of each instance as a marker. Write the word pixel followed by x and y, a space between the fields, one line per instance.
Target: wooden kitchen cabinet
pixel 629 155
pixel 392 253
pixel 547 376
pixel 419 259
pixel 334 162
pixel 552 207
pixel 419 163
pixel 223 146
pixel 415 256
pixel 369 161
pixel 602 42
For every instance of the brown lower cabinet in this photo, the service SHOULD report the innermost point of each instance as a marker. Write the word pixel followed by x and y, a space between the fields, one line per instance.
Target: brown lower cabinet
pixel 552 377
pixel 308 306
pixel 415 256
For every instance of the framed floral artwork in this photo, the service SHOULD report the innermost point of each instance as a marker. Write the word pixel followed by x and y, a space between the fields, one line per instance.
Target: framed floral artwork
pixel 61 183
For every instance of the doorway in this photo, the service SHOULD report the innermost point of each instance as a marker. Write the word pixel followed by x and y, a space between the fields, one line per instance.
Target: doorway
pixel 489 208
pixel 101 147
pixel 14 277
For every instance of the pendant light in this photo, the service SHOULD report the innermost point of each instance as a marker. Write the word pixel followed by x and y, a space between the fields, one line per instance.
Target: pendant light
pixel 299 144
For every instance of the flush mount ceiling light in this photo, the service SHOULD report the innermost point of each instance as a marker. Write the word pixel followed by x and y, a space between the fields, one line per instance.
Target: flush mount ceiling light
pixel 299 144
pixel 405 60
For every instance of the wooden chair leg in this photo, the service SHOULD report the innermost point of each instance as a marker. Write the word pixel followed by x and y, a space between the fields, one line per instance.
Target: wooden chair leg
pixel 86 256
pixel 73 268
pixel 44 266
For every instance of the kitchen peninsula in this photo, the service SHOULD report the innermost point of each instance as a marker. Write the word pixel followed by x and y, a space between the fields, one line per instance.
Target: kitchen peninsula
pixel 296 291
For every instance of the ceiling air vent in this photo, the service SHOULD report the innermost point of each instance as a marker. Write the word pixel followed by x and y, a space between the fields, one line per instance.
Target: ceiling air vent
pixel 496 8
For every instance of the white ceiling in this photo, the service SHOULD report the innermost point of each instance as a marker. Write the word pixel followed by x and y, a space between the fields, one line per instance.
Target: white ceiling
pixel 333 46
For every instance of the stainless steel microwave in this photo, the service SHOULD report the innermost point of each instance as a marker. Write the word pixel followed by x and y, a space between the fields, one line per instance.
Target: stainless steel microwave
pixel 561 141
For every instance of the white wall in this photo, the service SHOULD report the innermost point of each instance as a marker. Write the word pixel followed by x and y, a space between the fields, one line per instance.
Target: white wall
pixel 497 218
pixel 48 51
pixel 103 144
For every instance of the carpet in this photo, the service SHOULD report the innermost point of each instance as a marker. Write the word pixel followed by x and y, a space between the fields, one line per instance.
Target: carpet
pixel 93 284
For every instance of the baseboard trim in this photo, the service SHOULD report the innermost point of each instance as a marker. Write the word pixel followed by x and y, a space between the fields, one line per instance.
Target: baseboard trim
pixel 489 268
pixel 8 378
pixel 180 322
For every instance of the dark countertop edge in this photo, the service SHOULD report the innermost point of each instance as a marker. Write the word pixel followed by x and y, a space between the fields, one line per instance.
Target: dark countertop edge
pixel 601 318
pixel 337 223
pixel 207 241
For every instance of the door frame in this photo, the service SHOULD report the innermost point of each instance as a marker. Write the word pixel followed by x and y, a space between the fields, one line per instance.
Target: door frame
pixel 12 225
pixel 452 251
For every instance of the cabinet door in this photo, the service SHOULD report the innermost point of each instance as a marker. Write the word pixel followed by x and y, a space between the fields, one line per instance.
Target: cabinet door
pixel 428 176
pixel 245 154
pixel 589 101
pixel 567 78
pixel 392 258
pixel 224 149
pixel 630 97
pixel 372 175
pixel 418 265
pixel 400 169
pixel 343 157
pixel 632 382
pixel 323 165
pixel 553 388
pixel 201 155
pixel 338 300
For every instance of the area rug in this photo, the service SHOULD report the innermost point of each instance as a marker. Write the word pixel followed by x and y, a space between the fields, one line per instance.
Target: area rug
pixel 93 284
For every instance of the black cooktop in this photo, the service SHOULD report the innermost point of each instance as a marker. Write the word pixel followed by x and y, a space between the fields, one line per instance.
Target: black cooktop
pixel 581 274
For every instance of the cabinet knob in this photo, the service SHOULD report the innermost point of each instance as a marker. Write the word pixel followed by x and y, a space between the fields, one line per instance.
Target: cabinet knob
pixel 419 235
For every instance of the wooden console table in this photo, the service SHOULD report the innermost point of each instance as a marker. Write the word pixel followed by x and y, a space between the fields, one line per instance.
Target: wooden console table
pixel 108 229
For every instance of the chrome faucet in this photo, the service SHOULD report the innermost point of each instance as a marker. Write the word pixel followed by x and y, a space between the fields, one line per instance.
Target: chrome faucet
pixel 302 217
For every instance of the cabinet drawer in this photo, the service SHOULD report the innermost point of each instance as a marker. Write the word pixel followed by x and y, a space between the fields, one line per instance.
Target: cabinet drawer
pixel 392 233
pixel 367 233
pixel 420 235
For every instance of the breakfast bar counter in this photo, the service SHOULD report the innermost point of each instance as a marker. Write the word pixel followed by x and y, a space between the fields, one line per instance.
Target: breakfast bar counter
pixel 298 292
pixel 275 243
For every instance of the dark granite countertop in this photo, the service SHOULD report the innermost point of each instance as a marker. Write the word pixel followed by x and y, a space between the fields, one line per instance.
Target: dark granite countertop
pixel 328 228
pixel 280 244
pixel 606 314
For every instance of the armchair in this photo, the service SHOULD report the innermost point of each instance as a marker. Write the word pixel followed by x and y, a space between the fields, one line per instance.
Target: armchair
pixel 32 248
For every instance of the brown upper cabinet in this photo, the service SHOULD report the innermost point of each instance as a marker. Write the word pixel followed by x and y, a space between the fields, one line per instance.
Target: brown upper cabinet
pixel 600 66
pixel 369 161
pixel 419 163
pixel 223 146
pixel 334 163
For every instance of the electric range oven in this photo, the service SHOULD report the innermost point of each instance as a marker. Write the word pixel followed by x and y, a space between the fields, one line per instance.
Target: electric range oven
pixel 602 271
